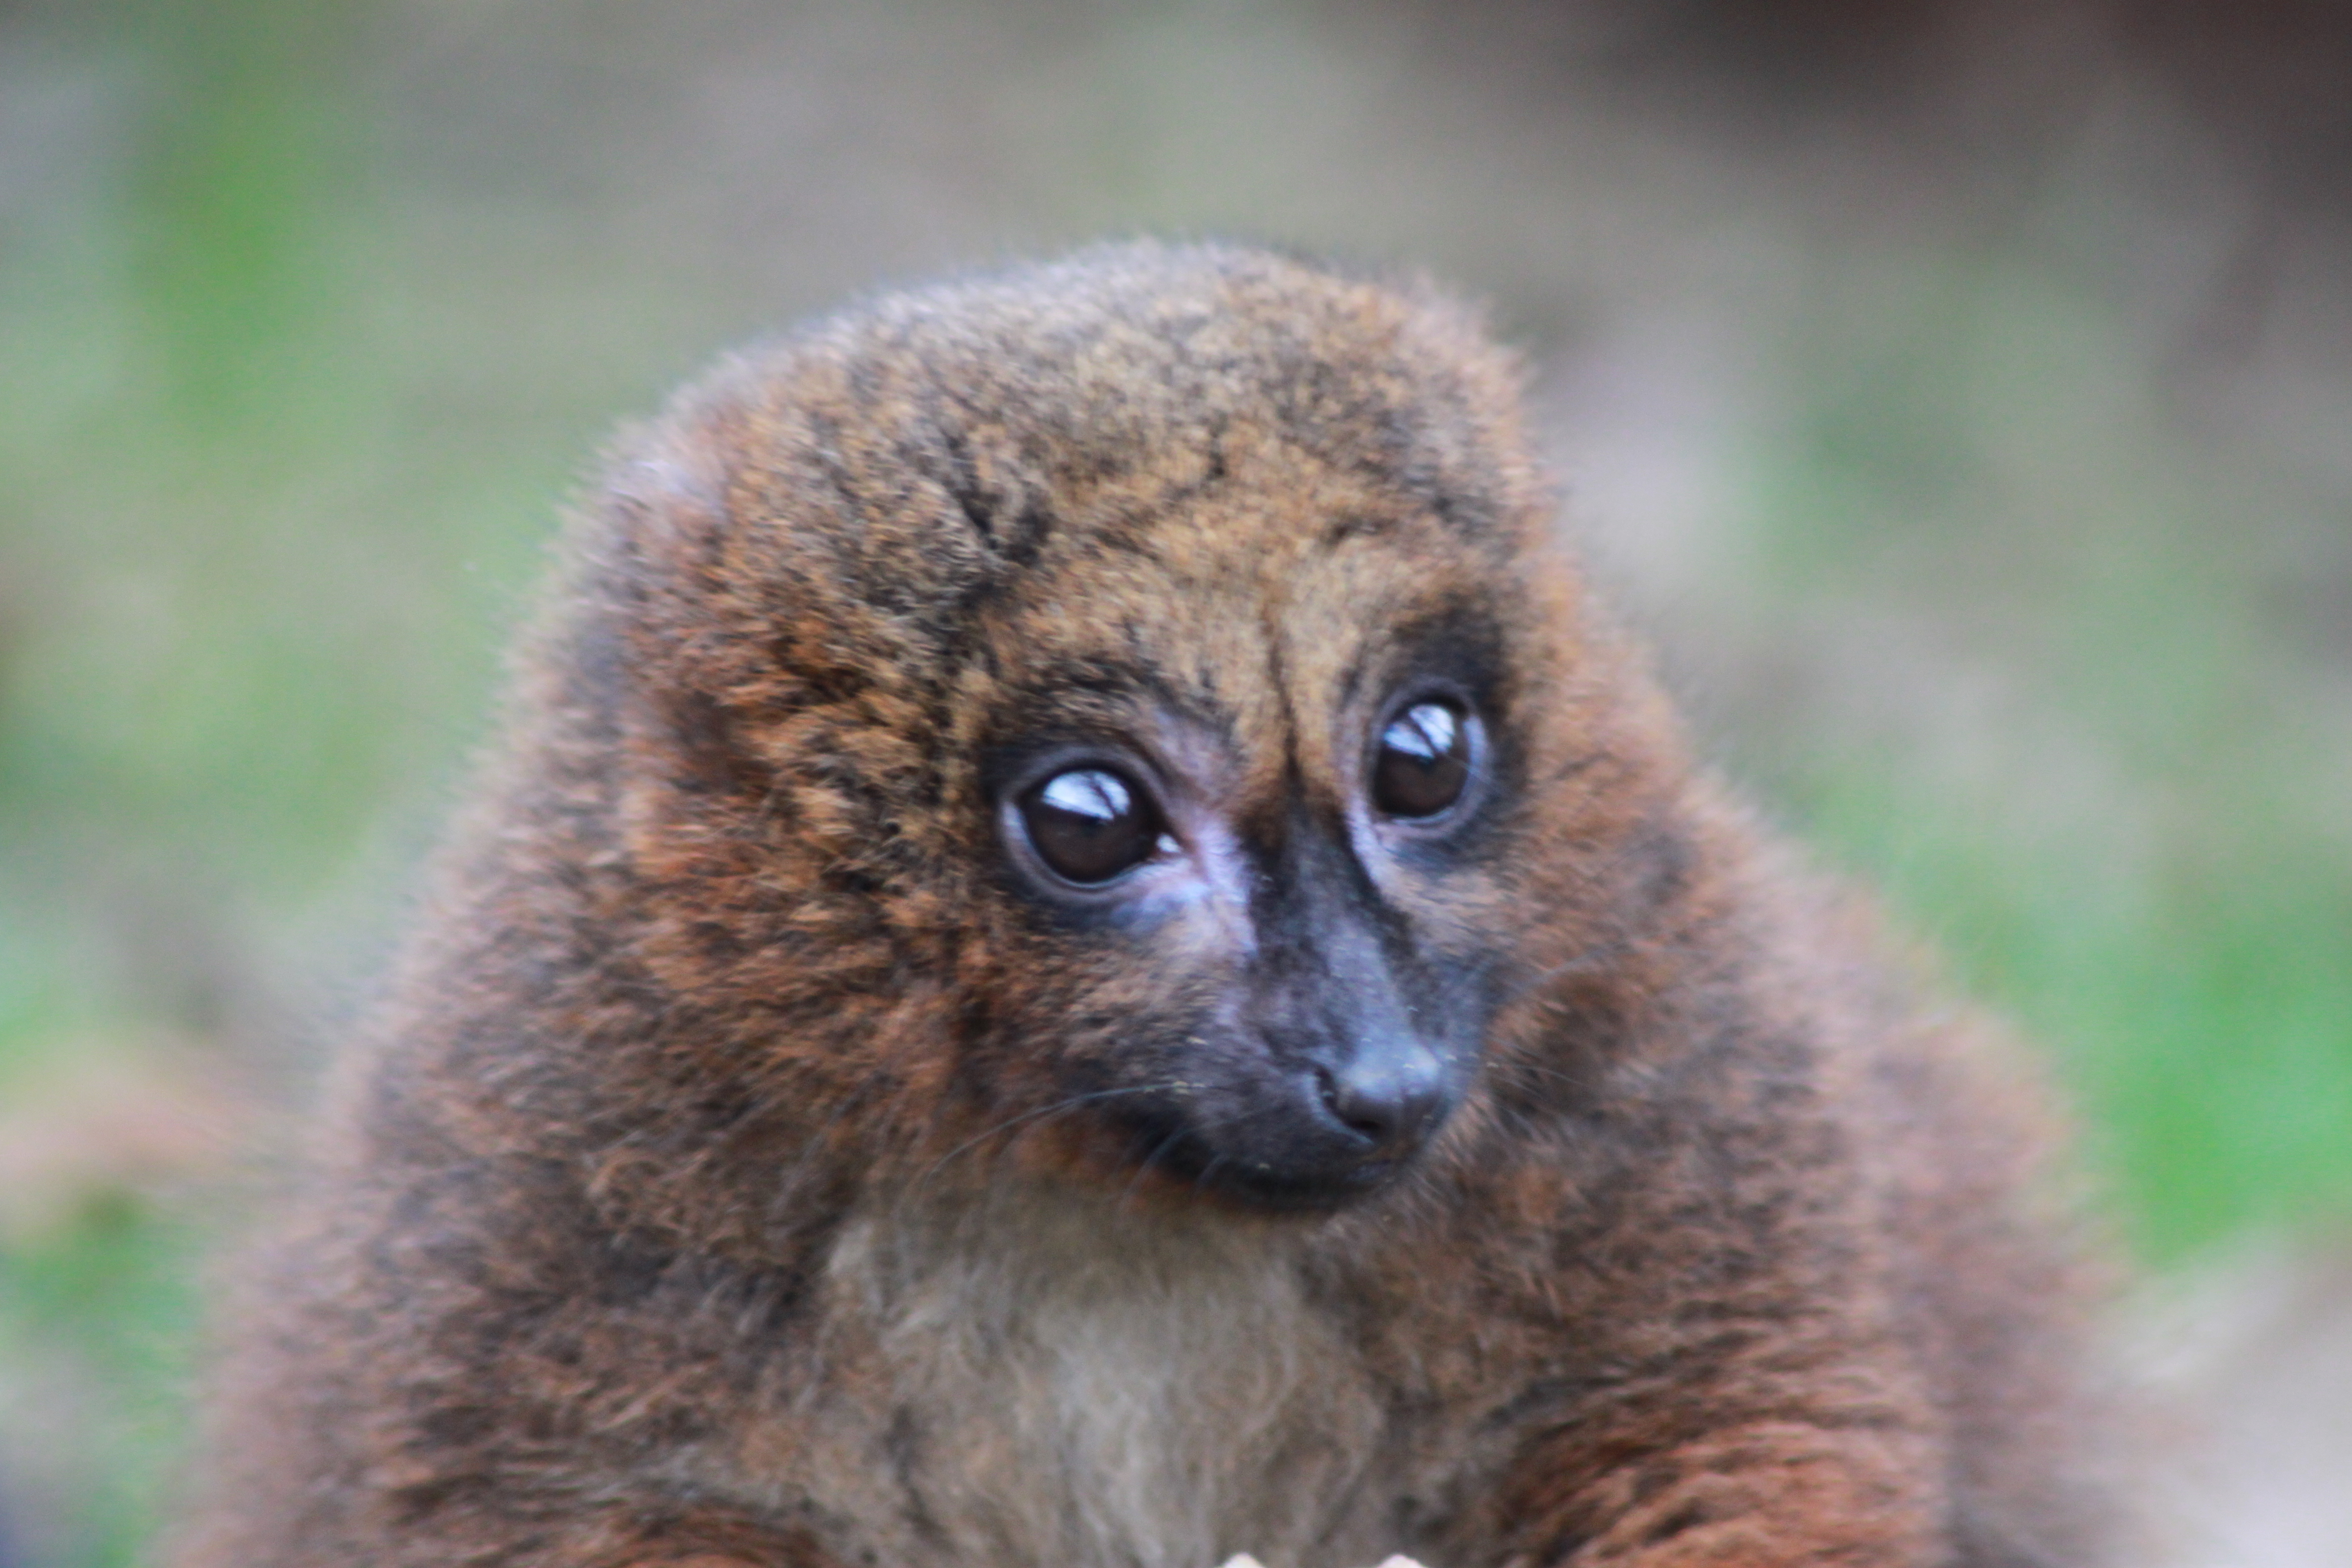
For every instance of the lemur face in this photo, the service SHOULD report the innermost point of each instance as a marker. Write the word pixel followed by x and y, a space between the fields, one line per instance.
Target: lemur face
pixel 1251 783
pixel 1151 745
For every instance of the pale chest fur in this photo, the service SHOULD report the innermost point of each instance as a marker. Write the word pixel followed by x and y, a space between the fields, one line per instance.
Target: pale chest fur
pixel 1048 1385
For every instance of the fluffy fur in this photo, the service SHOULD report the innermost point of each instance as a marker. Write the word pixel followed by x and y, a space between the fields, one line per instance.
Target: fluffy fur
pixel 742 1169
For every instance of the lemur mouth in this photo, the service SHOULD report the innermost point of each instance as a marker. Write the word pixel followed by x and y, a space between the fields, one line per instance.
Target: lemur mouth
pixel 1288 1192
pixel 1303 1180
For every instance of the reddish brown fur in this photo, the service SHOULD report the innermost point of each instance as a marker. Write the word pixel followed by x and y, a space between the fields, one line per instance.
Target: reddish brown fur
pixel 711 1188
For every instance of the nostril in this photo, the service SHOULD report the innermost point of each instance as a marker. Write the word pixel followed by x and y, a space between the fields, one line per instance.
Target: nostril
pixel 1382 1101
pixel 1348 1107
pixel 1368 1116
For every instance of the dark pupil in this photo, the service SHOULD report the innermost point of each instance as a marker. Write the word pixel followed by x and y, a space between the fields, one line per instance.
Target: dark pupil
pixel 1424 760
pixel 1089 824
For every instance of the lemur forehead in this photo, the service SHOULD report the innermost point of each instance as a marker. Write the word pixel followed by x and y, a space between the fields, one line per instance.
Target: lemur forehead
pixel 1269 639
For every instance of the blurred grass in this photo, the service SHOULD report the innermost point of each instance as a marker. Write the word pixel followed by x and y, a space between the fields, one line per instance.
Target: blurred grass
pixel 2145 857
pixel 2015 645
pixel 212 675
pixel 2204 1020
pixel 114 1290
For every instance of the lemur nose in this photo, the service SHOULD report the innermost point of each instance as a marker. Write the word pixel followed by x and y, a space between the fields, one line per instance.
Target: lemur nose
pixel 1386 1094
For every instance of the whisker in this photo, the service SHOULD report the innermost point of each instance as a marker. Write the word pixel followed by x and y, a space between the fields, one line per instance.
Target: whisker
pixel 1055 1109
pixel 1538 1070
pixel 1546 976
pixel 1143 1169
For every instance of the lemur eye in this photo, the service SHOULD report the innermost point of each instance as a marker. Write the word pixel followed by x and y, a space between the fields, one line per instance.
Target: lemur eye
pixel 1423 761
pixel 1089 824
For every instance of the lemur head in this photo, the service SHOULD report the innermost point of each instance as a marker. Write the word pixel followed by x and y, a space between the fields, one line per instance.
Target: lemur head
pixel 1141 700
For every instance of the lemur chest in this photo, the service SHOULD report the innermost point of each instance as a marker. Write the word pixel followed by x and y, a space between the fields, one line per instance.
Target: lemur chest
pixel 1064 1398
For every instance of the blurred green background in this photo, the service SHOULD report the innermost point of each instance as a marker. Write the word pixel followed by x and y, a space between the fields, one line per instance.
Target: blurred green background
pixel 1961 394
